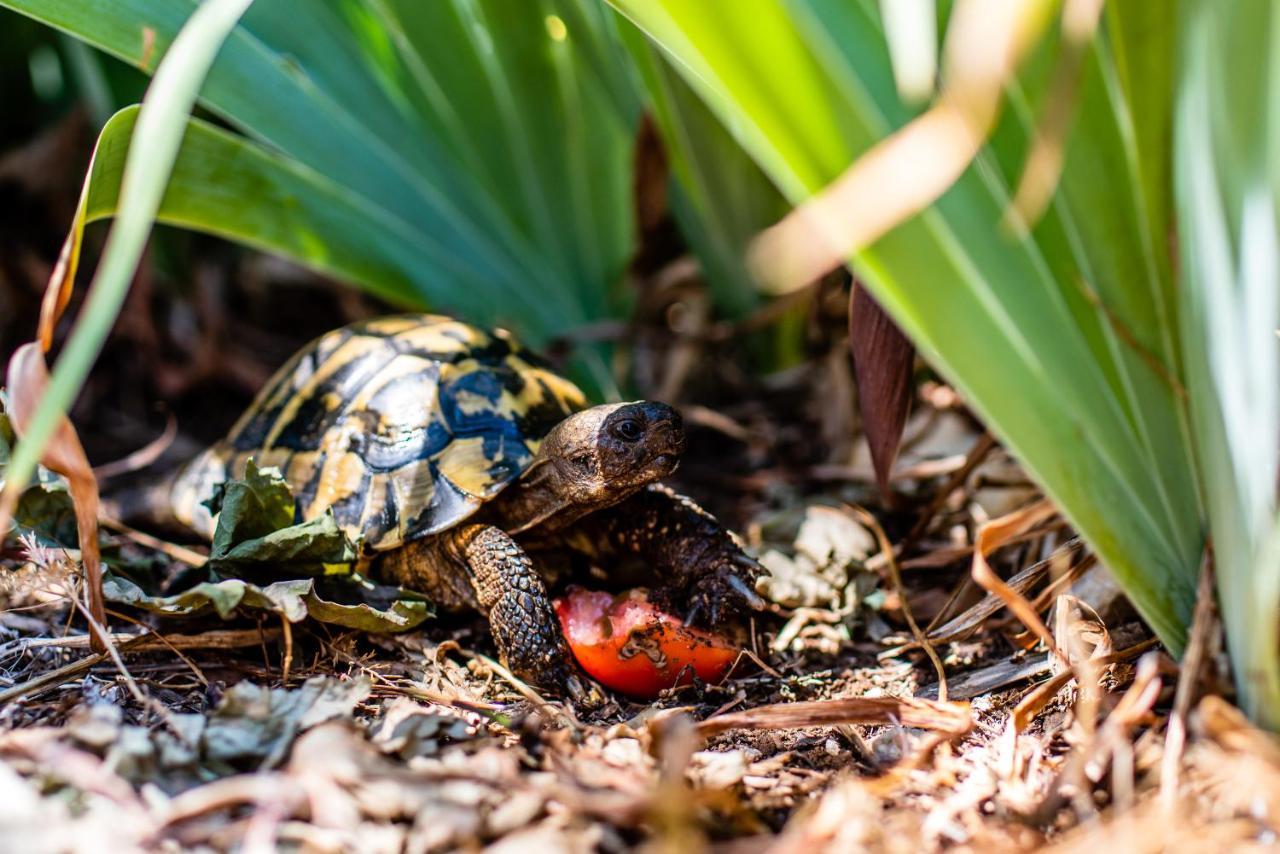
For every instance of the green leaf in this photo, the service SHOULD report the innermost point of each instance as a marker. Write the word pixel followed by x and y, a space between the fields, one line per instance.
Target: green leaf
pixel 495 138
pixel 349 601
pixel 255 531
pixel 46 512
pixel 1227 182
pixel 161 124
pixel 286 598
pixel 357 603
pixel 262 561
pixel 226 185
pixel 254 506
pixel 722 199
pixel 1063 341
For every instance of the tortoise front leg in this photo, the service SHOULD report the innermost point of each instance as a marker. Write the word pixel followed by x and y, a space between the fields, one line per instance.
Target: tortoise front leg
pixel 705 573
pixel 480 567
pixel 511 593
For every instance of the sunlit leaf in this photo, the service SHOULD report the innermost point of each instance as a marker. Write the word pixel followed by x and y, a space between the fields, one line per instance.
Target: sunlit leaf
pixel 1061 340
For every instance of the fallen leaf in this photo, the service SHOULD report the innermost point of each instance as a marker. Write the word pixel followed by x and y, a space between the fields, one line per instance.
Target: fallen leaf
pixel 257 723
pixel 261 560
pixel 946 717
pixel 882 362
pixel 27 380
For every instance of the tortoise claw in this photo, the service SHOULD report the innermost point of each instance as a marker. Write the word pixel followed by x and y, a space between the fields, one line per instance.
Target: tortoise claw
pixel 744 590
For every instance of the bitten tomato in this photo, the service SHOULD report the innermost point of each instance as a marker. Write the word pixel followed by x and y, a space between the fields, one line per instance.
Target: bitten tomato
pixel 628 645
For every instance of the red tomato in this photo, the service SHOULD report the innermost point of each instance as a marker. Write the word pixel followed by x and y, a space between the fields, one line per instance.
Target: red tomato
pixel 628 645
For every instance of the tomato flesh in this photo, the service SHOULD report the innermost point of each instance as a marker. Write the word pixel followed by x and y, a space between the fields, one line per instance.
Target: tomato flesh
pixel 627 644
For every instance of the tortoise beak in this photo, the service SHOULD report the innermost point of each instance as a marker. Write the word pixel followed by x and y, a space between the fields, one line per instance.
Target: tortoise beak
pixel 667 429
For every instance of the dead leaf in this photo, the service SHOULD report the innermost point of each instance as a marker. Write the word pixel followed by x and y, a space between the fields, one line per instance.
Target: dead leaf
pixel 257 723
pixel 882 361
pixel 990 537
pixel 947 717
pixel 27 380
pixel 908 170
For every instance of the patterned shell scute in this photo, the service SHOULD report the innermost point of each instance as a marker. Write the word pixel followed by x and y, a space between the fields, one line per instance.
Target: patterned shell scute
pixel 403 425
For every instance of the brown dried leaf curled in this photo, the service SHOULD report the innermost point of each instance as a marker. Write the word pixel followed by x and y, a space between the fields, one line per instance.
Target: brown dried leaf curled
pixel 27 380
pixel 882 361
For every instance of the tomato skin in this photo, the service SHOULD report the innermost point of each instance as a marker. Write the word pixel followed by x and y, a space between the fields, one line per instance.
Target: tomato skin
pixel 627 644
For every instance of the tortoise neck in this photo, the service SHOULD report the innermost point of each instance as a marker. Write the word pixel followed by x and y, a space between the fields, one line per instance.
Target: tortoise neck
pixel 546 504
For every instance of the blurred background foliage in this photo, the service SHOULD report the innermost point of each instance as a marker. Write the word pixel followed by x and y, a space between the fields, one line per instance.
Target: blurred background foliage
pixel 494 159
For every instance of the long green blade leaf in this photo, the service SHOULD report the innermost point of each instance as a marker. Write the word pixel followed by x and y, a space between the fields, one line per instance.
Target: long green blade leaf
pixel 1057 339
pixel 1228 198
pixel 499 134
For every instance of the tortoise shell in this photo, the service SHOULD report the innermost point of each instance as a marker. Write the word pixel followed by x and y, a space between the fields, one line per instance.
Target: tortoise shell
pixel 403 426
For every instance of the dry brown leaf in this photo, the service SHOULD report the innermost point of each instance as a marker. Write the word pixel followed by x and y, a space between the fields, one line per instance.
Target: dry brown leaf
pixel 1226 725
pixel 28 377
pixel 947 717
pixel 909 170
pixel 1044 162
pixel 1031 705
pixel 990 537
pixel 882 360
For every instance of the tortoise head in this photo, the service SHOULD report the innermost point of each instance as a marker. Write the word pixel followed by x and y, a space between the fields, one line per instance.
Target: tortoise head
pixel 596 458
pixel 605 453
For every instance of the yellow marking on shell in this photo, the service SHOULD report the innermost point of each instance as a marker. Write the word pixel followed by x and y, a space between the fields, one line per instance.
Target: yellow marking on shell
pixel 350 350
pixel 414 487
pixel 398 323
pixel 341 476
pixel 406 364
pixel 464 462
pixel 293 375
pixel 444 337
pixel 300 469
pixel 375 500
pixel 540 382
pixel 193 485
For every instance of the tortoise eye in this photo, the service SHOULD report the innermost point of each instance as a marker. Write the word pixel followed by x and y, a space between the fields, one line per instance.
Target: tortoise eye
pixel 627 430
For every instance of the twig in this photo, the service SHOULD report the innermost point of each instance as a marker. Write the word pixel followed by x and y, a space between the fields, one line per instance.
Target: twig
pixel 287 663
pixel 939 715
pixel 972 460
pixel 98 632
pixel 57 676
pixel 990 537
pixel 1202 625
pixel 143 457
pixel 149 641
pixel 160 637
pixel 525 690
pixel 178 553
pixel 886 548
pixel 52 677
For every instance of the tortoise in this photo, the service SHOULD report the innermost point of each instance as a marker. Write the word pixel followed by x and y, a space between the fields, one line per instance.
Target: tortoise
pixel 466 469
